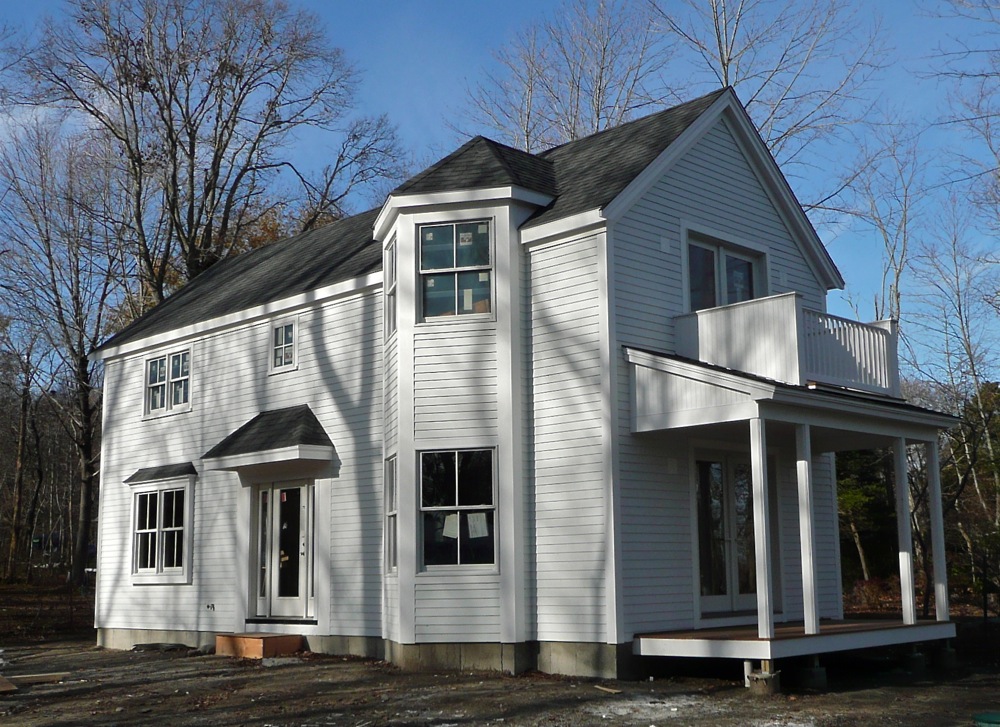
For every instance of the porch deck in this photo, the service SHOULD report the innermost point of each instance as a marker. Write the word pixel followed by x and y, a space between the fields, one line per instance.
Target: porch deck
pixel 790 639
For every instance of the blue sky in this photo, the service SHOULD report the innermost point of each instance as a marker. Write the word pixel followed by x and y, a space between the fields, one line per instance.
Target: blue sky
pixel 418 57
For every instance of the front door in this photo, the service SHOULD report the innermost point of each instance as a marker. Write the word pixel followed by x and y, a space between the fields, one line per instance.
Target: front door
pixel 727 561
pixel 283 549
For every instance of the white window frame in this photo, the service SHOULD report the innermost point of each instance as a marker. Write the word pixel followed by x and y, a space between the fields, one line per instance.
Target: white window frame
pixel 391 491
pixel 391 302
pixel 722 245
pixel 159 574
pixel 169 407
pixel 272 367
pixel 489 268
pixel 458 509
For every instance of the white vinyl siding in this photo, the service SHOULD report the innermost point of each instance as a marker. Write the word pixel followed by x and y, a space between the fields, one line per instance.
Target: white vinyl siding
pixel 570 526
pixel 455 608
pixel 339 358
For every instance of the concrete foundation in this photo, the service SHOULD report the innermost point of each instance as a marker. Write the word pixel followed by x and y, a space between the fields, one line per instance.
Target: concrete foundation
pixel 605 661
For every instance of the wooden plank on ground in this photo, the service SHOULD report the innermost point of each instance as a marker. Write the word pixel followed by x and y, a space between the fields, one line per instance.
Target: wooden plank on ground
pixel 48 678
pixel 6 686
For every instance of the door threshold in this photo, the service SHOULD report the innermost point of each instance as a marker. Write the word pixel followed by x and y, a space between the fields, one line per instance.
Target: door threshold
pixel 282 620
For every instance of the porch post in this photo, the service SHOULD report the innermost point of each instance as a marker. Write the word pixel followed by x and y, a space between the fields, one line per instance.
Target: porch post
pixel 907 589
pixel 937 532
pixel 807 536
pixel 761 528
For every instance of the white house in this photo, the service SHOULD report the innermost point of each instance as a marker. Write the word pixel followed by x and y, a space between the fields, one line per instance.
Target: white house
pixel 550 411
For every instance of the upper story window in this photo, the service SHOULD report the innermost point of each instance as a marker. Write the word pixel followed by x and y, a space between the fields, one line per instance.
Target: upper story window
pixel 719 274
pixel 455 269
pixel 283 340
pixel 457 503
pixel 390 289
pixel 168 383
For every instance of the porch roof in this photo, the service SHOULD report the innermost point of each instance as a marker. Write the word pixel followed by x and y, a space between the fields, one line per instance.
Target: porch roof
pixel 279 435
pixel 673 392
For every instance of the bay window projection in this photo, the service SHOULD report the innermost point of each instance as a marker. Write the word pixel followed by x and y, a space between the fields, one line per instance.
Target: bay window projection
pixel 457 506
pixel 455 269
pixel 719 275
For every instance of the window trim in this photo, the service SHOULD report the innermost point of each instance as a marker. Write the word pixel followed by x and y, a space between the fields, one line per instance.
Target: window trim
pixel 296 333
pixel 168 408
pixel 722 244
pixel 160 575
pixel 492 567
pixel 391 497
pixel 490 268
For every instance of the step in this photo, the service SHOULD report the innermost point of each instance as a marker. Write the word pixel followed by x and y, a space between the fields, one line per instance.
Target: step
pixel 257 645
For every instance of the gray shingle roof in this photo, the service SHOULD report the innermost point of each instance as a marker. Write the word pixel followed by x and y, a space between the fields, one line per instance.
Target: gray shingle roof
pixel 163 472
pixel 584 174
pixel 275 429
pixel 339 251
pixel 482 163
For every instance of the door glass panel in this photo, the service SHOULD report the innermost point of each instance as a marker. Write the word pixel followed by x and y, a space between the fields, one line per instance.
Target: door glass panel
pixel 711 529
pixel 739 279
pixel 263 538
pixel 289 525
pixel 743 542
pixel 701 276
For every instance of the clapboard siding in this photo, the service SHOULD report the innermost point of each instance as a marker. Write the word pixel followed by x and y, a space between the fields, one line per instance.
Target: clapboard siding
pixel 569 522
pixel 450 608
pixel 339 375
pixel 455 380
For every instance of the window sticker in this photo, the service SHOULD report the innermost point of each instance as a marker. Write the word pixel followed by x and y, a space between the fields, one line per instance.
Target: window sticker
pixel 464 239
pixel 483 229
pixel 451 526
pixel 430 282
pixel 467 299
pixel 484 277
pixel 477 525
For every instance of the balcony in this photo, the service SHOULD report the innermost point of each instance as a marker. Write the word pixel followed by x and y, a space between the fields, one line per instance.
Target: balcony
pixel 778 338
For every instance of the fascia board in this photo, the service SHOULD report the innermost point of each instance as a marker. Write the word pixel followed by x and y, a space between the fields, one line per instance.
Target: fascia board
pixel 861 408
pixel 300 452
pixel 563 226
pixel 214 325
pixel 397 203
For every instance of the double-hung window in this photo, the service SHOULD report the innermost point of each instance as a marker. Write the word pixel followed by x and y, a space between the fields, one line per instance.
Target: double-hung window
pixel 283 347
pixel 161 517
pixel 718 274
pixel 168 383
pixel 455 269
pixel 391 510
pixel 457 505
pixel 390 289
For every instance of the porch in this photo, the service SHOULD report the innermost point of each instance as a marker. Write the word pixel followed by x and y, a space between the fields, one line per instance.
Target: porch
pixel 713 404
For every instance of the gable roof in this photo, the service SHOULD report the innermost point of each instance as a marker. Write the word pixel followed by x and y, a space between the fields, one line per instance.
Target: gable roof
pixel 339 251
pixel 275 429
pixel 594 170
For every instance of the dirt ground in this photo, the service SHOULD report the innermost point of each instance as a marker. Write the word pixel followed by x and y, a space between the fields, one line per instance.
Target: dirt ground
pixel 182 687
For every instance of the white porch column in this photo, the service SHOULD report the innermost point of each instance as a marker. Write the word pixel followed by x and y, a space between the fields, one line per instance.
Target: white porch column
pixel 761 528
pixel 807 535
pixel 937 532
pixel 907 589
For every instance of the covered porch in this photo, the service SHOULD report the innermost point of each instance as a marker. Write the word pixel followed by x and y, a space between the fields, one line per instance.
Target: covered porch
pixel 674 393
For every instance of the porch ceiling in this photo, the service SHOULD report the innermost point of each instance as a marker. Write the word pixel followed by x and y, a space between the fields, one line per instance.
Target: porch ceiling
pixel 789 639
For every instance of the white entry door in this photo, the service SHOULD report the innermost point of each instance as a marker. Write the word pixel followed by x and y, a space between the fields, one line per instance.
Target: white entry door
pixel 284 549
pixel 727 564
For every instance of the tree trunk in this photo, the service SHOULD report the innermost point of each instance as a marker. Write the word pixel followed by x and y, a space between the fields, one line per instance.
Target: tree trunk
pixel 14 544
pixel 856 536
pixel 87 471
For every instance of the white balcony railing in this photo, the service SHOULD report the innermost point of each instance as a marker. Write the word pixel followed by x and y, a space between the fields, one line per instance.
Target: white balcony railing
pixel 778 338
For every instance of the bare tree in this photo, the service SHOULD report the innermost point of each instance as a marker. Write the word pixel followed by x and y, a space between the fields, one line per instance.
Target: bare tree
pixel 60 210
pixel 201 98
pixel 589 67
pixel 803 69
